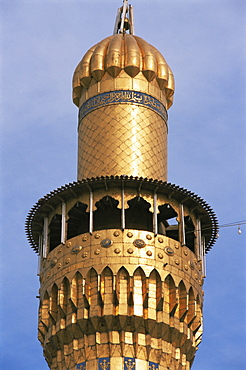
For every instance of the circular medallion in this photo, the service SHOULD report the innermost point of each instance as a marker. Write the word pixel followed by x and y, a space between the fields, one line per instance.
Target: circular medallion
pixel 176 245
pixel 139 243
pixel 169 251
pixel 129 234
pixel 117 250
pixel 84 239
pixel 160 255
pixel 148 236
pixel 196 276
pixel 130 250
pixel 160 240
pixel 149 253
pixel 68 260
pixel 192 266
pixel 85 254
pixel 59 265
pixel 97 251
pixel 68 244
pixel 116 233
pixel 177 262
pixel 97 236
pixel 53 262
pixel 76 249
pixel 59 250
pixel 186 267
pixel 185 251
pixel 106 243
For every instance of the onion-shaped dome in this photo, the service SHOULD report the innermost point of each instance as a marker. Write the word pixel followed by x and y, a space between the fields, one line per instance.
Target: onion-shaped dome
pixel 123 52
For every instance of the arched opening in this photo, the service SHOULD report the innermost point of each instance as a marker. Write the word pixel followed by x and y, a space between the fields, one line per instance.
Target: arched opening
pixel 170 300
pixel 197 323
pixel 54 303
pixel 92 292
pixel 107 215
pixel 189 233
pixel 64 296
pixel 191 307
pixel 76 289
pixel 107 291
pixel 182 301
pixel 55 232
pixel 45 310
pixel 154 301
pixel 138 215
pixel 167 223
pixel 139 291
pixel 123 280
pixel 78 221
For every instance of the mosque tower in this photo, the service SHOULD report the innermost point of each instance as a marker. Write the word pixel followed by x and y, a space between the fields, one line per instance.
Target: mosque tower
pixel 121 250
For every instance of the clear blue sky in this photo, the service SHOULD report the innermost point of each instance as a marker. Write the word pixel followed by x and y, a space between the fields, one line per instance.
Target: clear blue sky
pixel 204 43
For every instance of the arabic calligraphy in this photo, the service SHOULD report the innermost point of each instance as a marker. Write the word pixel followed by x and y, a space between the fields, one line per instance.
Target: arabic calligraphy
pixel 122 96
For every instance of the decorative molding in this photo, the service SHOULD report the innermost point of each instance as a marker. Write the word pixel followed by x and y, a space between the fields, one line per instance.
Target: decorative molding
pixel 123 96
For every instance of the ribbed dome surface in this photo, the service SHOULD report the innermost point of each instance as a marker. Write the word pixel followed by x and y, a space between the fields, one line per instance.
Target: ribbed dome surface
pixel 123 52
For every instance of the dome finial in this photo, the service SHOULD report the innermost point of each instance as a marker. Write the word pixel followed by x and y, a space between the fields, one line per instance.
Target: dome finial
pixel 123 22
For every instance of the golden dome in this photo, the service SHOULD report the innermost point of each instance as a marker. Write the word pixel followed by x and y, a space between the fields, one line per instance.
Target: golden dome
pixel 123 52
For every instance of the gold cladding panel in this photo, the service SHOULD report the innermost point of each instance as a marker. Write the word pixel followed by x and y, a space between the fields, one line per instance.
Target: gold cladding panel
pixel 122 139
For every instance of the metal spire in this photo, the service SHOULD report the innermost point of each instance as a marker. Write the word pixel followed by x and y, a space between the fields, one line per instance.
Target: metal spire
pixel 124 19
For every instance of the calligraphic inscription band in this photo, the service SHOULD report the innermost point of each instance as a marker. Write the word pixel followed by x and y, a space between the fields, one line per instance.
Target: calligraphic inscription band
pixel 123 96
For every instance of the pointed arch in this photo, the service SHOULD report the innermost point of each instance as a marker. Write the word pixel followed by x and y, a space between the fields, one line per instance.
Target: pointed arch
pixel 76 289
pixel 123 288
pixel 191 307
pixel 155 293
pixel 64 295
pixel 92 286
pixel 170 299
pixel 182 301
pixel 107 291
pixel 197 324
pixel 54 302
pixel 139 291
pixel 44 309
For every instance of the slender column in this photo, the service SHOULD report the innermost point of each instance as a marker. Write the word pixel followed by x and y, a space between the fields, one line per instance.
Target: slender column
pixel 45 237
pixel 155 214
pixel 91 210
pixel 63 224
pixel 123 221
pixel 182 225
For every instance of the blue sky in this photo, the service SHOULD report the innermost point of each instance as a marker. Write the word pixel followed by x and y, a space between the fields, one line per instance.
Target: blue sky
pixel 204 43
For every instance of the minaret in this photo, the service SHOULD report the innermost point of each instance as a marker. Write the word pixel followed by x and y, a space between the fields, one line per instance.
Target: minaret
pixel 121 250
